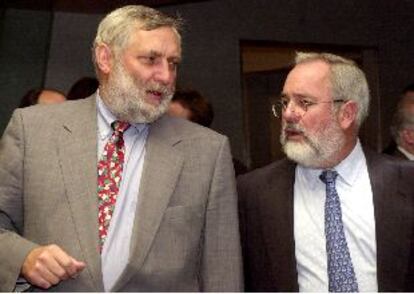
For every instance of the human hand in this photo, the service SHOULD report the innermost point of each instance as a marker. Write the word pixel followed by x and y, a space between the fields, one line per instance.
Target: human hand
pixel 48 265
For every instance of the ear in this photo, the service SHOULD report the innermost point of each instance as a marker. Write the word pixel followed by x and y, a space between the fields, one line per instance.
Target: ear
pixel 347 114
pixel 104 58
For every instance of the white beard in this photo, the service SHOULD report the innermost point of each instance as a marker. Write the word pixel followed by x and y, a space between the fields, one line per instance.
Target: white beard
pixel 315 151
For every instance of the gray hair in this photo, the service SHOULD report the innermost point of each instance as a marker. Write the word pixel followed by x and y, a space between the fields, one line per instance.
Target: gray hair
pixel 403 118
pixel 347 80
pixel 116 28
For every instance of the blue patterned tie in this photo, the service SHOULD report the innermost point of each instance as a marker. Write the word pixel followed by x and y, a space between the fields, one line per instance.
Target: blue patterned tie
pixel 340 270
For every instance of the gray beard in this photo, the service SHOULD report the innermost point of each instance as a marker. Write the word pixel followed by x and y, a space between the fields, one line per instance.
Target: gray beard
pixel 125 98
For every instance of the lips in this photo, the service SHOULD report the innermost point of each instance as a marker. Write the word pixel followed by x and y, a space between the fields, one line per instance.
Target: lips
pixel 156 93
pixel 154 97
pixel 293 132
pixel 290 132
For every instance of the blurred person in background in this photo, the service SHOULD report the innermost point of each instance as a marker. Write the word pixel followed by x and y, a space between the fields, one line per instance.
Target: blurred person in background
pixel 191 105
pixel 82 88
pixel 402 127
pixel 42 96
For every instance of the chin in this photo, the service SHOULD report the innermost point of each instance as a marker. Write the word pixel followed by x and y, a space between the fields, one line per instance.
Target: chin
pixel 154 103
pixel 301 153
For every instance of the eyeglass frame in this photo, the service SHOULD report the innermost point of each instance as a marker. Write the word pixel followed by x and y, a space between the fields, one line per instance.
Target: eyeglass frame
pixel 304 105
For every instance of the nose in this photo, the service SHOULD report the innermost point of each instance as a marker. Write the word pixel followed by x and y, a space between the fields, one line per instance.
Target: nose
pixel 165 73
pixel 291 113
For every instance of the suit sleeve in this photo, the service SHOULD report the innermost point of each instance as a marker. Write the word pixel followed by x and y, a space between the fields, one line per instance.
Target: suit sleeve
pixel 13 247
pixel 221 260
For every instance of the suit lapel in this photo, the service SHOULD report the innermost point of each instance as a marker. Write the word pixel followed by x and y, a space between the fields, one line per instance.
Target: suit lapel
pixel 278 230
pixel 400 155
pixel 393 229
pixel 77 152
pixel 161 170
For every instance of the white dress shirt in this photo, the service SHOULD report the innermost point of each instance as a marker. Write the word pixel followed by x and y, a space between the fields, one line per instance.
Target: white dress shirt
pixel 115 252
pixel 355 193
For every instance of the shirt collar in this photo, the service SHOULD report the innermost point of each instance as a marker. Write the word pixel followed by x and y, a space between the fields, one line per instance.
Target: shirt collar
pixel 106 118
pixel 351 167
pixel 348 169
pixel 406 153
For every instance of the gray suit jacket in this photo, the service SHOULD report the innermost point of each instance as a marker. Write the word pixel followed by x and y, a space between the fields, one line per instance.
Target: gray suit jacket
pixel 266 206
pixel 185 235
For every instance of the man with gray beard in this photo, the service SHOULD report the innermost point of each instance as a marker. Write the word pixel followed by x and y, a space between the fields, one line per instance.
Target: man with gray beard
pixel 109 194
pixel 333 216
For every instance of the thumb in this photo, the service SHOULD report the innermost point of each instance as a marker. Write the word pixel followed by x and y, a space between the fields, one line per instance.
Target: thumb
pixel 79 265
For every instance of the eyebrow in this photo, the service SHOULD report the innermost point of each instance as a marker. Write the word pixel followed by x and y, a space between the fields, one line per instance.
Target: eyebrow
pixel 158 54
pixel 154 53
pixel 297 96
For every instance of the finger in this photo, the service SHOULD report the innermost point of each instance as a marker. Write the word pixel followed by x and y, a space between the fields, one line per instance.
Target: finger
pixel 32 268
pixel 36 277
pixel 80 265
pixel 48 276
pixel 53 267
pixel 38 281
pixel 70 265
pixel 52 258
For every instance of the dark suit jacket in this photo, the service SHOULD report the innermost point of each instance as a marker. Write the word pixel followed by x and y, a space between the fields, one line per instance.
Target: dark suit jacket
pixel 398 154
pixel 393 150
pixel 266 217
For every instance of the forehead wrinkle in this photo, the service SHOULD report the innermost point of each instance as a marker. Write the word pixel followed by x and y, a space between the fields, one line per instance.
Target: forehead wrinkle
pixel 154 33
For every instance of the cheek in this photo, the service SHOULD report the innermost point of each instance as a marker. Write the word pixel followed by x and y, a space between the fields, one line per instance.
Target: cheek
pixel 138 72
pixel 142 75
pixel 316 123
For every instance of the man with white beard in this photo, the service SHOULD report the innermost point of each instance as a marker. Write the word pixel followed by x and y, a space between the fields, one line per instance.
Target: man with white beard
pixel 333 216
pixel 109 194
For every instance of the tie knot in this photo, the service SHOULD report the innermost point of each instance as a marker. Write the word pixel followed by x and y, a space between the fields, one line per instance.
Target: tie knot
pixel 328 176
pixel 120 126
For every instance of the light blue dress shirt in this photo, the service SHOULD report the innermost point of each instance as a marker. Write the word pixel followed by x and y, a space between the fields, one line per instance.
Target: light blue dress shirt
pixel 116 249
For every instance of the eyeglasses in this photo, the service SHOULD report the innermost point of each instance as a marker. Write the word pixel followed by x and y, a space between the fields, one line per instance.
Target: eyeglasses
pixel 303 105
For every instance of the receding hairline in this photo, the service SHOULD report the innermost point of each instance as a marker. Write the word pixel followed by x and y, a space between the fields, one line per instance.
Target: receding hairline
pixel 329 58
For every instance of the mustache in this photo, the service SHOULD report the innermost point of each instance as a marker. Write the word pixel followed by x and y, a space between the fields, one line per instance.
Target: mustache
pixel 293 127
pixel 157 87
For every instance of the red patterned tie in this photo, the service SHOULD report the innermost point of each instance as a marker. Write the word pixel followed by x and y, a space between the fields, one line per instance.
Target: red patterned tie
pixel 109 177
